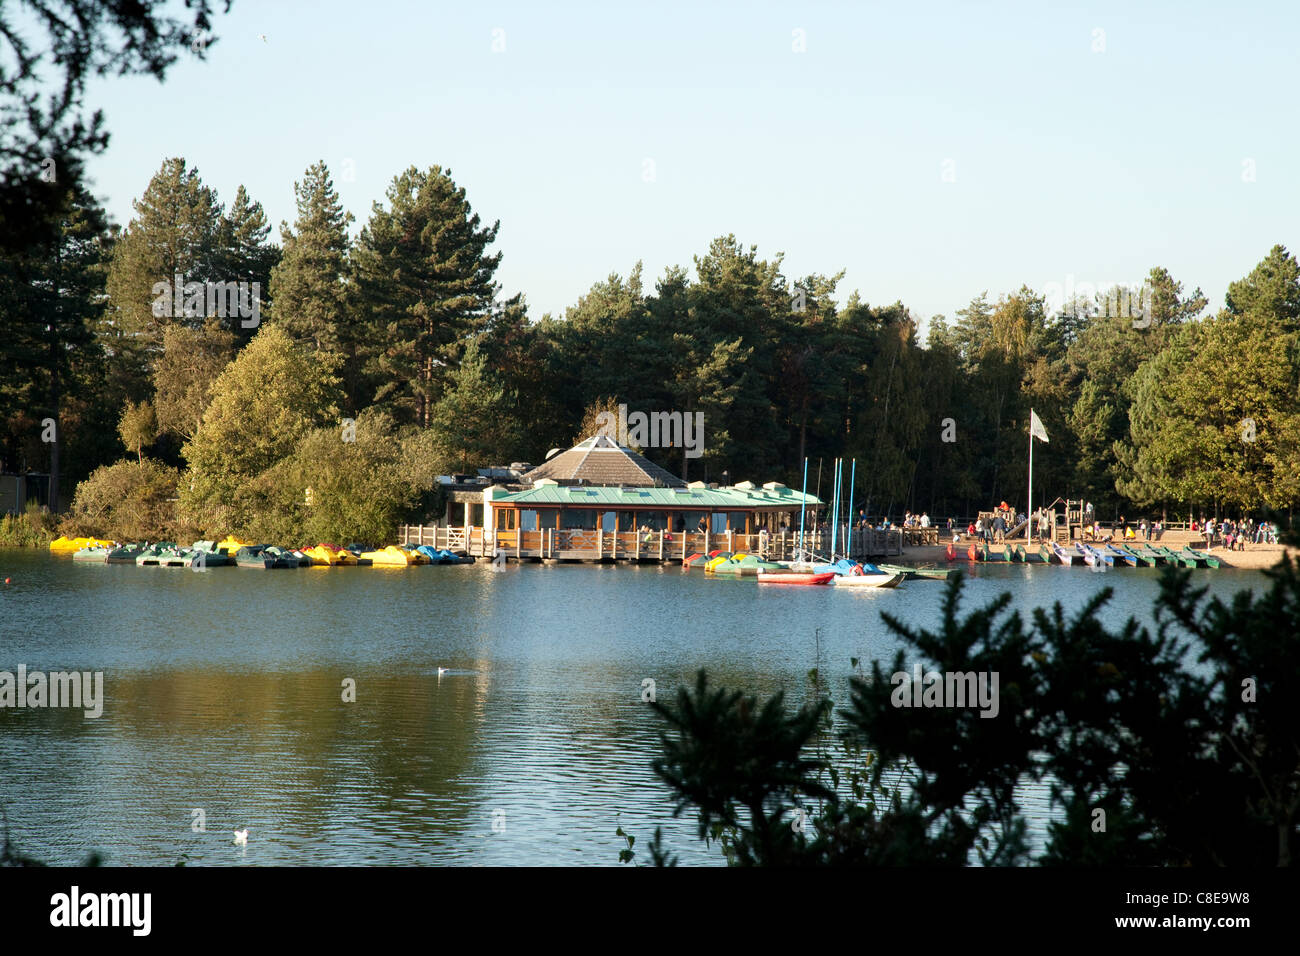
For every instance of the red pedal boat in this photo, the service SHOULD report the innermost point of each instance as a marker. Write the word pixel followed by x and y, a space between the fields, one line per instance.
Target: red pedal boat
pixel 698 560
pixel 794 577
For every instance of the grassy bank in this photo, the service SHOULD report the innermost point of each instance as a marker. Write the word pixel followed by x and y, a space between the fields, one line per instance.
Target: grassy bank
pixel 34 528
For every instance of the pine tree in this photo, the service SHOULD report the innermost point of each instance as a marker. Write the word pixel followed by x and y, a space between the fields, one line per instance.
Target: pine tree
pixel 245 255
pixel 740 311
pixel 1272 289
pixel 1101 369
pixel 424 283
pixel 309 285
pixel 50 299
pixel 176 231
pixel 470 418
pixel 1215 419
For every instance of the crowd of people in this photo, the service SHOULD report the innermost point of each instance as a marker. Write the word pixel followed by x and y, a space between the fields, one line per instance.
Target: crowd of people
pixel 1225 532
pixel 1004 519
pixel 910 520
pixel 1234 535
pixel 1146 530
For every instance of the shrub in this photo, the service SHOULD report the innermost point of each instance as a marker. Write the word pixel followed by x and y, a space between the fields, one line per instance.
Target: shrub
pixel 361 489
pixel 1169 749
pixel 34 528
pixel 128 501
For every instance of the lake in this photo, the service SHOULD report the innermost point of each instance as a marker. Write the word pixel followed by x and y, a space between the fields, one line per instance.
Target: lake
pixel 224 693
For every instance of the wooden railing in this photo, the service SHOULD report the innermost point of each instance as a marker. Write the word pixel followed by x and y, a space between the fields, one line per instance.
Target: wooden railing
pixel 592 545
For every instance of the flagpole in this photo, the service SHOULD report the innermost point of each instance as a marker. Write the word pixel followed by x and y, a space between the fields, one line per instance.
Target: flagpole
pixel 835 508
pixel 803 503
pixel 1029 506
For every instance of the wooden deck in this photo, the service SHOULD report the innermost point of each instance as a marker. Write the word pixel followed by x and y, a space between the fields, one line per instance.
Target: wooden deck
pixel 551 544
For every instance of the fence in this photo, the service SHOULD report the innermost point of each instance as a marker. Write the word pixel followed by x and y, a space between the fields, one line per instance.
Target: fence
pixel 590 545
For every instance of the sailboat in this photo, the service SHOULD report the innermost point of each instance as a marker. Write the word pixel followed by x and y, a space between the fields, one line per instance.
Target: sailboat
pixel 849 573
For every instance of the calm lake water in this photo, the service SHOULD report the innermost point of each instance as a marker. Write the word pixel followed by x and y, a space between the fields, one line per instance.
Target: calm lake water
pixel 224 692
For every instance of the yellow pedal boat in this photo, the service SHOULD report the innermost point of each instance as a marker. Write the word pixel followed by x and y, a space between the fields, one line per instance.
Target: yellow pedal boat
pixel 70 545
pixel 389 557
pixel 322 557
pixel 712 563
pixel 233 544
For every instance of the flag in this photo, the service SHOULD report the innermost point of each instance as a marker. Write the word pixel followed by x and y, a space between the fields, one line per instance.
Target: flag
pixel 1036 428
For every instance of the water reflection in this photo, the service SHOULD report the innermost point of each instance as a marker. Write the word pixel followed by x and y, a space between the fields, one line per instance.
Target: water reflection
pixel 224 691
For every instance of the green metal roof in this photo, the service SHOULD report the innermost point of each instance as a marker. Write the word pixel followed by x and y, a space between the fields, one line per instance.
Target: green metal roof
pixel 716 499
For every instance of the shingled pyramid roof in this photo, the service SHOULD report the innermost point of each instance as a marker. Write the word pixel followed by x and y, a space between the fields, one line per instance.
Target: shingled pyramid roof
pixel 600 460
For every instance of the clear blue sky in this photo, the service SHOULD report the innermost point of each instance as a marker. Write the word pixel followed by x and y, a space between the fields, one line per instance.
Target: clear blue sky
pixel 1067 162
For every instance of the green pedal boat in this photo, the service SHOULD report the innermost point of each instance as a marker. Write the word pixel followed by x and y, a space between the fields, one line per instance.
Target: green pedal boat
pixel 1199 559
pixel 915 574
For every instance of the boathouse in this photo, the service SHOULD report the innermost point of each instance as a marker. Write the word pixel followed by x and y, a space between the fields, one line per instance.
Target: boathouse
pixel 602 501
pixel 600 460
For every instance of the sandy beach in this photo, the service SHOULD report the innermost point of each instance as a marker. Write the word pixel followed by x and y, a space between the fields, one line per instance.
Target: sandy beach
pixel 1256 556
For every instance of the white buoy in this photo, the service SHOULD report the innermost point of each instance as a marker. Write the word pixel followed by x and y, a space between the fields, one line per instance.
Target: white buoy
pixel 241 837
pixel 441 671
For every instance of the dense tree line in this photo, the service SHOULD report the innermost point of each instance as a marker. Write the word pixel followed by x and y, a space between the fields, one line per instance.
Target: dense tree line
pixel 403 332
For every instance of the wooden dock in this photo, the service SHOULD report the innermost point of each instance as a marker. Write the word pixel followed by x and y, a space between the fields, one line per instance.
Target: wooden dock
pixel 551 544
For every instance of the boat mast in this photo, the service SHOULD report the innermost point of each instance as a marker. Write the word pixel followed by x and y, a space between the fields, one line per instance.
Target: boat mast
pixel 803 502
pixel 853 478
pixel 835 509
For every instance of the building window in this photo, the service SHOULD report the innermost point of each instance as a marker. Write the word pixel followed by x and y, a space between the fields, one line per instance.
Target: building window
pixel 654 520
pixel 578 519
